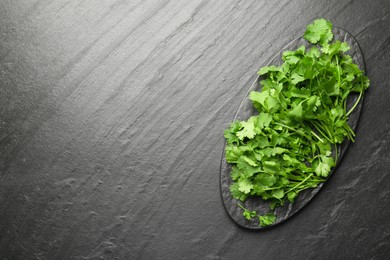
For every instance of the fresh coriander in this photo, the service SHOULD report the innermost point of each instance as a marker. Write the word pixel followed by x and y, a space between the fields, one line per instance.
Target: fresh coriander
pixel 291 145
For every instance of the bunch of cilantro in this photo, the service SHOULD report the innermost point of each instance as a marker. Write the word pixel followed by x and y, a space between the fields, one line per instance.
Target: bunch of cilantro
pixel 291 145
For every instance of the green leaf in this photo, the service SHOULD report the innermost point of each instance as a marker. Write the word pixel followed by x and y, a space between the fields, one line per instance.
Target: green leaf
pixel 296 78
pixel 292 57
pixel 265 180
pixel 265 70
pixel 245 185
pixel 313 103
pixel 361 84
pixel 272 151
pixel 296 112
pixel 235 173
pixel 319 31
pixel 328 159
pixel 313 52
pixel 249 214
pixel 322 169
pixel 258 190
pixel 331 87
pixel 291 196
pixel 324 166
pixel 263 120
pixel 278 194
pixel 332 49
pixel 230 134
pixel 250 161
pixel 300 92
pixel 247 170
pixel 233 153
pixel 248 130
pixel 270 167
pixel 267 219
pixel 272 103
pixel 262 141
pixel 258 99
pixel 236 193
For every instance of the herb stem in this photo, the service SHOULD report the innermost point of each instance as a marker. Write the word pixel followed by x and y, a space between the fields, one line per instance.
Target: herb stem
pixel 319 138
pixel 241 206
pixel 321 132
pixel 321 123
pixel 293 188
pixel 356 103
pixel 290 128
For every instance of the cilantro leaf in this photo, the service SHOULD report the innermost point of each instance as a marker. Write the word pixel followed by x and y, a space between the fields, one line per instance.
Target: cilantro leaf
pixel 265 180
pixel 265 70
pixel 263 120
pixel 249 214
pixel 319 31
pixel 278 194
pixel 258 99
pixel 267 219
pixel 296 78
pixel 322 169
pixel 248 130
pixel 245 185
pixel 235 173
pixel 233 153
pixel 236 193
pixel 296 112
pixel 291 196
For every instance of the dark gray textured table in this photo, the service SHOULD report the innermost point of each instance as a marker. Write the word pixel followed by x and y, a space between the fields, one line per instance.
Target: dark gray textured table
pixel 111 121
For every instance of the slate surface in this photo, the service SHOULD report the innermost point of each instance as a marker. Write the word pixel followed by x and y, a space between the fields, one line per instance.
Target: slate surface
pixel 111 120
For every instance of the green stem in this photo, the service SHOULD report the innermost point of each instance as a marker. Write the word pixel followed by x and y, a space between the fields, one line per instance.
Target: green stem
pixel 321 132
pixel 319 138
pixel 338 78
pixel 242 207
pixel 345 106
pixel 293 188
pixel 274 188
pixel 321 123
pixel 356 103
pixel 338 70
pixel 290 128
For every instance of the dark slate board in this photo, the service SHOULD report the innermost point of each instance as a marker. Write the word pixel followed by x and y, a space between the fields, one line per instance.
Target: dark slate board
pixel 246 110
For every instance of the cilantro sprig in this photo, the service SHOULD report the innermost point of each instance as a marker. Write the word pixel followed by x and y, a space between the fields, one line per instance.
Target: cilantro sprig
pixel 291 145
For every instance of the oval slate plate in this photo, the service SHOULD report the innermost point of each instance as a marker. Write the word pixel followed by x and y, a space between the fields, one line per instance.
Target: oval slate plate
pixel 246 110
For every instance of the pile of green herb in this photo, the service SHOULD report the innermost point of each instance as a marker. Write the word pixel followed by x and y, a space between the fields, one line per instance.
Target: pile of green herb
pixel 291 145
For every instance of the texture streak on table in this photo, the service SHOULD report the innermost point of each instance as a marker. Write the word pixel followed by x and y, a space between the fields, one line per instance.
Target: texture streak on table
pixel 111 122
